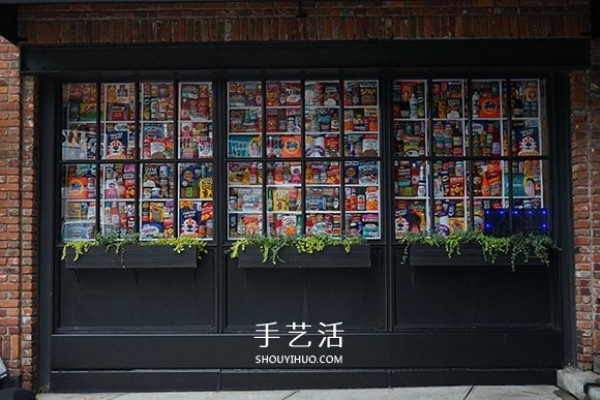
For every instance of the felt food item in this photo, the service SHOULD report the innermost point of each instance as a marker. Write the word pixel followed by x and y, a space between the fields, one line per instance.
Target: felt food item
pixel 77 188
pixel 291 146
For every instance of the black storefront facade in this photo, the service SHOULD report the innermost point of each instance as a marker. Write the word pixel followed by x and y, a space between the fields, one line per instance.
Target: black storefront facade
pixel 195 329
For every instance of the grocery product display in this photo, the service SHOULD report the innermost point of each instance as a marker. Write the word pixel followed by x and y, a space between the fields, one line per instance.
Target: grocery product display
pixel 157 120
pixel 304 119
pixel 79 134
pixel 79 201
pixel 245 101
pixel 302 156
pixel 361 118
pixel 463 126
pixel 118 196
pixel 117 121
pixel 195 120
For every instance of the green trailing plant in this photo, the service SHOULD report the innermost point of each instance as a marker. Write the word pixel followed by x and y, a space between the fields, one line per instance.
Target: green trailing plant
pixel 519 247
pixel 112 240
pixel 271 246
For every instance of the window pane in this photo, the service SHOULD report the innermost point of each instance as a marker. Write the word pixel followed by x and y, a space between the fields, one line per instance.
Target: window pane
pixel 196 120
pixel 80 117
pixel 78 201
pixel 322 119
pixel 409 113
pixel 118 121
pixel 196 200
pixel 362 199
pixel 284 119
pixel 449 196
pixel 245 119
pixel 323 203
pixel 411 194
pixel 245 203
pixel 157 203
pixel 157 120
pixel 284 198
pixel 118 194
pixel 361 118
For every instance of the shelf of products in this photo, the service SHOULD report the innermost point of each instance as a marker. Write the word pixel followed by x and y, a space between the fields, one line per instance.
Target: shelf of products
pixel 322 119
pixel 284 198
pixel 157 214
pixel 196 218
pixel 157 120
pixel 362 199
pixel 411 197
pixel 79 134
pixel 464 122
pixel 323 198
pixel 118 196
pixel 245 203
pixel 361 119
pixel 245 101
pixel 195 120
pixel 79 201
pixel 284 119
pixel 410 114
pixel 118 121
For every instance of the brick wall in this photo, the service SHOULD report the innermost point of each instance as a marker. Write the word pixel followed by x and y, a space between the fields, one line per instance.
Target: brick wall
pixel 325 20
pixel 17 215
pixel 585 108
pixel 264 21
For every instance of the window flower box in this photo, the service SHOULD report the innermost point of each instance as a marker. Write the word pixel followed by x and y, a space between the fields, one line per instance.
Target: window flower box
pixel 132 257
pixel 471 255
pixel 331 257
pixel 97 257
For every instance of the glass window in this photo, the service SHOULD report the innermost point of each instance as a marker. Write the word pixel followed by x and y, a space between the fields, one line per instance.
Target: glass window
pixel 467 159
pixel 325 135
pixel 155 160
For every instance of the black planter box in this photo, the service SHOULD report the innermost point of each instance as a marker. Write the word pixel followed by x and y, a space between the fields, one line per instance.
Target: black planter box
pixel 330 257
pixel 421 255
pixel 97 257
pixel 133 257
pixel 144 257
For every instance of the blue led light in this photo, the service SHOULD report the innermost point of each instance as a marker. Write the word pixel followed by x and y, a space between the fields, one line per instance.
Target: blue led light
pixel 488 226
pixel 544 226
pixel 501 212
pixel 544 212
pixel 487 212
pixel 516 212
pixel 529 212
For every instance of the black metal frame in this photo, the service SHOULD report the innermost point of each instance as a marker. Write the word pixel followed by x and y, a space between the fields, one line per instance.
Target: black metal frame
pixel 64 346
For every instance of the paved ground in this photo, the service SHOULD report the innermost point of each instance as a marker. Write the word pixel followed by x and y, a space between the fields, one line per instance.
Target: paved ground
pixel 426 393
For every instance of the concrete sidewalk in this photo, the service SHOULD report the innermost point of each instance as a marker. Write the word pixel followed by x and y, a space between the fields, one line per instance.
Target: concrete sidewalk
pixel 425 393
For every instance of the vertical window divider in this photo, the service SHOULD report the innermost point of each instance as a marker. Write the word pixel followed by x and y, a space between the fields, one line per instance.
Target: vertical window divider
pixel 509 139
pixel 303 152
pixel 263 159
pixel 138 158
pixel 342 150
pixel 469 158
pixel 176 94
pixel 429 138
pixel 98 198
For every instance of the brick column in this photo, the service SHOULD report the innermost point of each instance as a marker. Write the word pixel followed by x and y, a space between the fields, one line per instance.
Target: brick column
pixel 585 146
pixel 17 216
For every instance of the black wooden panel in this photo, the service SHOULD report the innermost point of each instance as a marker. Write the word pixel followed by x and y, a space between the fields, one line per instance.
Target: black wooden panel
pixel 133 381
pixel 352 296
pixel 354 54
pixel 455 376
pixel 188 380
pixel 494 349
pixel 466 296
pixel 303 379
pixel 121 299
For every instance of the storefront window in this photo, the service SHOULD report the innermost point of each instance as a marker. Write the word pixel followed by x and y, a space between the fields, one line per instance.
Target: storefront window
pixel 326 139
pixel 146 186
pixel 474 164
pixel 304 157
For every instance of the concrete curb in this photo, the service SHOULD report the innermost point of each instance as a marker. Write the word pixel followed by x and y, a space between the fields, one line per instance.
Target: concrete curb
pixel 584 385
